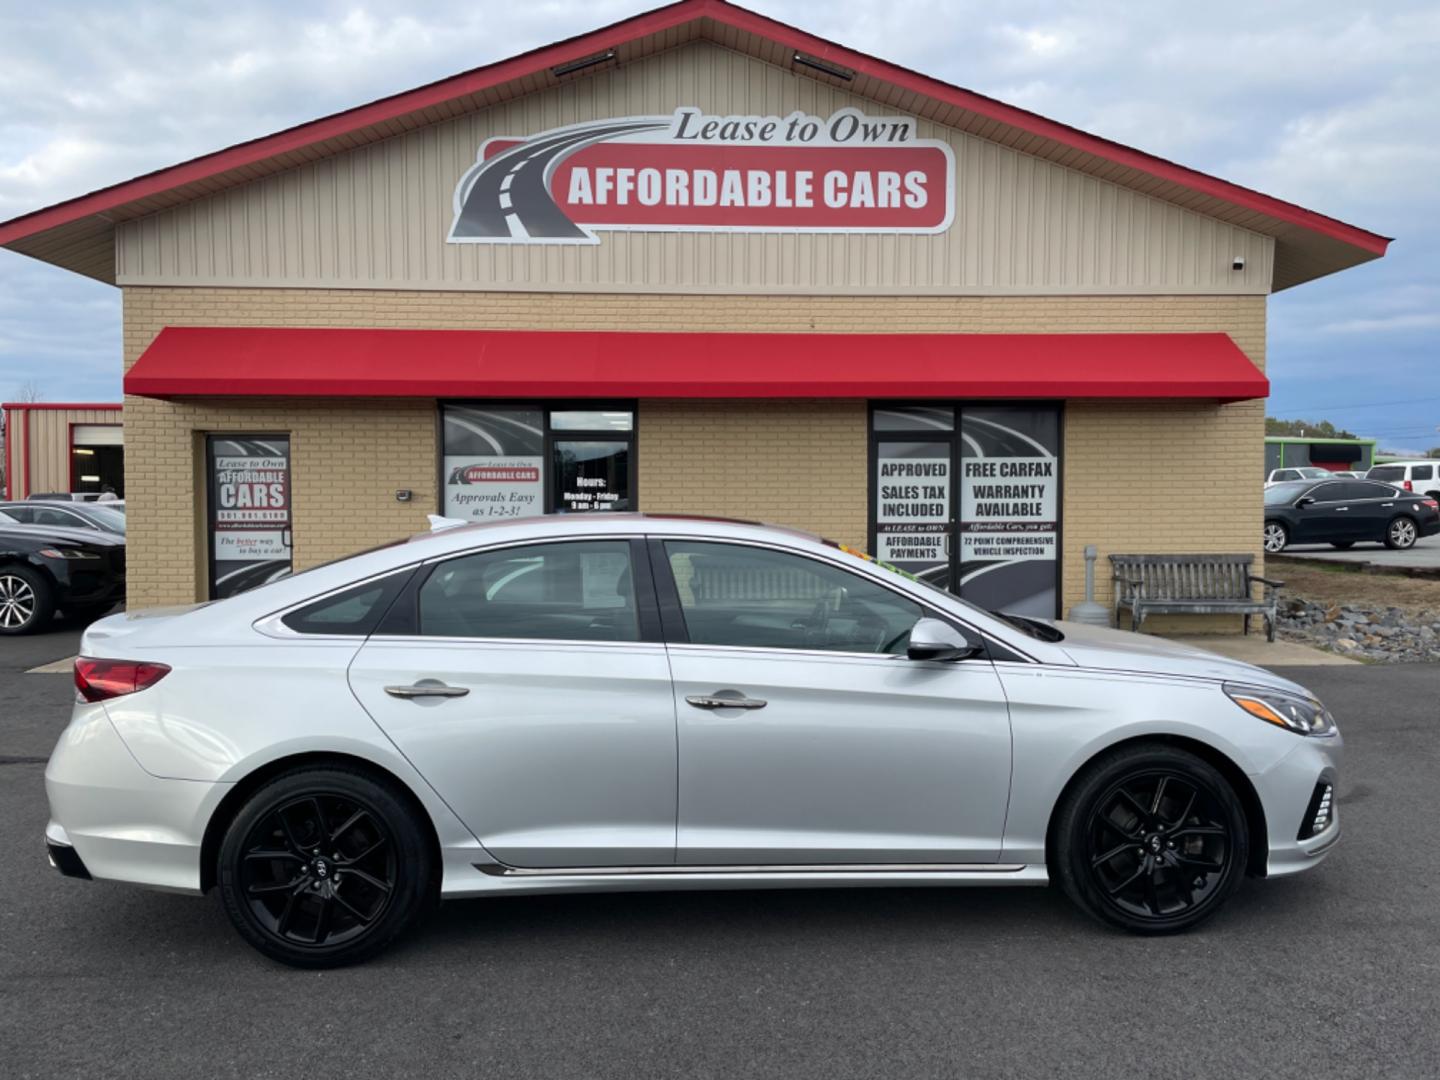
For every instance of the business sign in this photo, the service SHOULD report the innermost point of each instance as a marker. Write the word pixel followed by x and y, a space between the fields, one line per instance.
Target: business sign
pixel 250 513
pixel 1010 507
pixel 848 173
pixel 494 463
pixel 912 508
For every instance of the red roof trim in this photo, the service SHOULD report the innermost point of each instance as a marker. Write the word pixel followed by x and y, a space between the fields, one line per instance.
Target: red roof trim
pixel 651 22
pixel 262 362
pixel 42 405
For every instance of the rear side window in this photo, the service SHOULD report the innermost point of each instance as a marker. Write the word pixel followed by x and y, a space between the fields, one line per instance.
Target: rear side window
pixel 1388 473
pixel 1422 472
pixel 573 591
pixel 1287 474
pixel 352 613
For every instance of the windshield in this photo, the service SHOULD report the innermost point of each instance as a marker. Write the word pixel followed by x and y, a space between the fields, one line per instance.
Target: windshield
pixel 1287 492
pixel 106 518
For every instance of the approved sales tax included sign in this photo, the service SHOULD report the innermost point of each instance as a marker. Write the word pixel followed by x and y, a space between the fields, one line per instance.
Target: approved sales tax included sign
pixel 850 173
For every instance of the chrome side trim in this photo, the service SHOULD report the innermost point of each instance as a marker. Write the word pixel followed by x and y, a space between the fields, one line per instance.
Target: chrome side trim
pixel 500 870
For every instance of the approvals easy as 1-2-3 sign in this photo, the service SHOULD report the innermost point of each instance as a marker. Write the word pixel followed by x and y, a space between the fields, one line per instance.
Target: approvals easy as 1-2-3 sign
pixel 850 173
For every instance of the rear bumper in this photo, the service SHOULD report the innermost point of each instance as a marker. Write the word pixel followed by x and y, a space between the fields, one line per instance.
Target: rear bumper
pixel 62 854
pixel 115 821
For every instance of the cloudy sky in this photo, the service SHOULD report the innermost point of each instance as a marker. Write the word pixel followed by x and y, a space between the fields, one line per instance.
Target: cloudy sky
pixel 1328 103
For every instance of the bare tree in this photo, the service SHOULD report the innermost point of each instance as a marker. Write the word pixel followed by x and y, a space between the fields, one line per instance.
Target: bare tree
pixel 29 391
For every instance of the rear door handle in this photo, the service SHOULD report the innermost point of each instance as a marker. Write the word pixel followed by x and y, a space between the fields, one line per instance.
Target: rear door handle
pixel 427 689
pixel 725 699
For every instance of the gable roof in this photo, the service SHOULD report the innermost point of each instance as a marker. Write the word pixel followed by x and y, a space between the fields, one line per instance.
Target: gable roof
pixel 79 234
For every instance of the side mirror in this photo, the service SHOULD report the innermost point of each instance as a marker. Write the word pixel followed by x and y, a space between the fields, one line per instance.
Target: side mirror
pixel 1305 500
pixel 931 639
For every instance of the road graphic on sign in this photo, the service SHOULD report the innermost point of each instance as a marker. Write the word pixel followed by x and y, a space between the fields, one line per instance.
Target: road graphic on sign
pixel 508 196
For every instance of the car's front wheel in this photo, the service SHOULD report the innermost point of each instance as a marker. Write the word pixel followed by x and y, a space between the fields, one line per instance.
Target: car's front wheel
pixel 1151 839
pixel 1276 537
pixel 26 600
pixel 1401 534
pixel 324 866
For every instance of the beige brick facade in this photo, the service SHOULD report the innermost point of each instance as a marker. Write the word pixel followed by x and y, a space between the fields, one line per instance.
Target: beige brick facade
pixel 1139 476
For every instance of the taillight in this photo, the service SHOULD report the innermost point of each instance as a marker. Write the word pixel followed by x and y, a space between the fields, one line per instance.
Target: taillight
pixel 1408 486
pixel 1430 503
pixel 98 680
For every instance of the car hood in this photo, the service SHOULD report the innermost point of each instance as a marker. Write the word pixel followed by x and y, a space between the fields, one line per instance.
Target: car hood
pixel 1120 650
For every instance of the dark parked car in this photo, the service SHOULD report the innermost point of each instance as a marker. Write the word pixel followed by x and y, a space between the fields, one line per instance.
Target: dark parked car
pixel 42 569
pixel 98 516
pixel 1343 512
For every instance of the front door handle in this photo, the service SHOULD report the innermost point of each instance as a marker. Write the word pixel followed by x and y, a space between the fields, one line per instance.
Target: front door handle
pixel 426 689
pixel 725 699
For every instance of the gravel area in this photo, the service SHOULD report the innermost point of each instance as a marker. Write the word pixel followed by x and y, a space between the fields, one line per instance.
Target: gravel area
pixel 1386 635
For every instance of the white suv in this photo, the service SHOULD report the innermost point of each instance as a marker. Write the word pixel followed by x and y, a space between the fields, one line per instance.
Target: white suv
pixel 1307 472
pixel 1421 477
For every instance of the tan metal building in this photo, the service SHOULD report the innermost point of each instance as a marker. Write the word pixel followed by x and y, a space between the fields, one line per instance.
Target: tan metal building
pixel 55 447
pixel 698 261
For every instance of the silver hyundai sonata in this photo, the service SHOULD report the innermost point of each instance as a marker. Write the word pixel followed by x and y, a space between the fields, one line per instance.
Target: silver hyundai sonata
pixel 649 702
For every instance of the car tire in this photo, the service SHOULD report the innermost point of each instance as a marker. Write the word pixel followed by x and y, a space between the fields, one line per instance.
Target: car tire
pixel 27 600
pixel 1401 533
pixel 1150 839
pixel 1342 545
pixel 325 866
pixel 1277 537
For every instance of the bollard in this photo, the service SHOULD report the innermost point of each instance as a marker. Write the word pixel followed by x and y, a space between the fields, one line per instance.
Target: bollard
pixel 1089 611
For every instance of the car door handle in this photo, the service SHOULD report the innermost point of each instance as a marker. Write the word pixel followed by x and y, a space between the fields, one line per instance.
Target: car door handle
pixel 725 699
pixel 427 689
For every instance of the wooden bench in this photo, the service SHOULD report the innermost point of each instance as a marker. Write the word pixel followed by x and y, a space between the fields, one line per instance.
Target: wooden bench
pixel 1192 585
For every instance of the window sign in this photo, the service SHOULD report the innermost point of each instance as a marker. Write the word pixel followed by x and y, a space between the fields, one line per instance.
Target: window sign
pixel 494 462
pixel 912 508
pixel 250 511
pixel 1010 507
pixel 592 475
pixel 974 507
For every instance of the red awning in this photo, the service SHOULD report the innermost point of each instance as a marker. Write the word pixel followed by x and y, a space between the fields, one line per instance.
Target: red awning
pixel 231 362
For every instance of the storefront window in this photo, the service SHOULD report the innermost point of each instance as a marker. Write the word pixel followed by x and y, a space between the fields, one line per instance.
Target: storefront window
pixel 974 509
pixel 250 511
pixel 506 461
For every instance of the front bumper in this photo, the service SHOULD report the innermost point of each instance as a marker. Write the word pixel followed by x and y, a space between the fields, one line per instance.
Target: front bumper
pixel 1286 793
pixel 116 822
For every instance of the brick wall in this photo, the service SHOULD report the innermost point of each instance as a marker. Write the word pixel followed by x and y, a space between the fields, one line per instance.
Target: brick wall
pixel 1146 476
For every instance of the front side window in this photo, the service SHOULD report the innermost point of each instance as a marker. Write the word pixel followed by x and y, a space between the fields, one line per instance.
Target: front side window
pixel 1327 492
pixel 580 591
pixel 758 598
pixel 1287 474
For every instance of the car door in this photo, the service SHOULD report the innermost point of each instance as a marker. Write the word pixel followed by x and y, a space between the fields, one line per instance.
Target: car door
pixel 532 691
pixel 1372 506
pixel 1326 517
pixel 839 750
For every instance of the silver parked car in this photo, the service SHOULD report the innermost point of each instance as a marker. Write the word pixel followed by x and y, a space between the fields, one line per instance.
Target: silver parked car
pixel 618 701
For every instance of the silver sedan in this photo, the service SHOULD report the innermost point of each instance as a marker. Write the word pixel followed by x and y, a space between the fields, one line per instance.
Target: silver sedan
pixel 619 701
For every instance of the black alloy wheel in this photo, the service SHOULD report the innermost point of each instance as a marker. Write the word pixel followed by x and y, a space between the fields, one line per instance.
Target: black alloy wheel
pixel 324 867
pixel 1154 840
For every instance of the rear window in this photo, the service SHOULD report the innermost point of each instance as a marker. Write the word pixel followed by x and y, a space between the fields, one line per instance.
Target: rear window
pixel 354 612
pixel 1386 472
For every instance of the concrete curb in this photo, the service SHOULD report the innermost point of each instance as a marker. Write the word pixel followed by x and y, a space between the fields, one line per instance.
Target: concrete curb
pixel 1430 572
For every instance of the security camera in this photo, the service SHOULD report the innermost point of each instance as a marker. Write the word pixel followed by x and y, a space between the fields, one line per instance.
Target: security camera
pixel 1237 263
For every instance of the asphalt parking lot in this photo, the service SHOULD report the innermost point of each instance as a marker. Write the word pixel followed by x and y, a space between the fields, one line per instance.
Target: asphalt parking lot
pixel 1425 555
pixel 1336 974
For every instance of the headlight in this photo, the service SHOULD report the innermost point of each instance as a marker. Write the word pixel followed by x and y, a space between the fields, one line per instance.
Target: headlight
pixel 67 553
pixel 1302 715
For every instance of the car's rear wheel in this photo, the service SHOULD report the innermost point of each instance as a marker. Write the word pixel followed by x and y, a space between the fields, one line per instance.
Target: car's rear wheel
pixel 1401 533
pixel 1276 537
pixel 1342 545
pixel 324 866
pixel 26 600
pixel 1151 839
